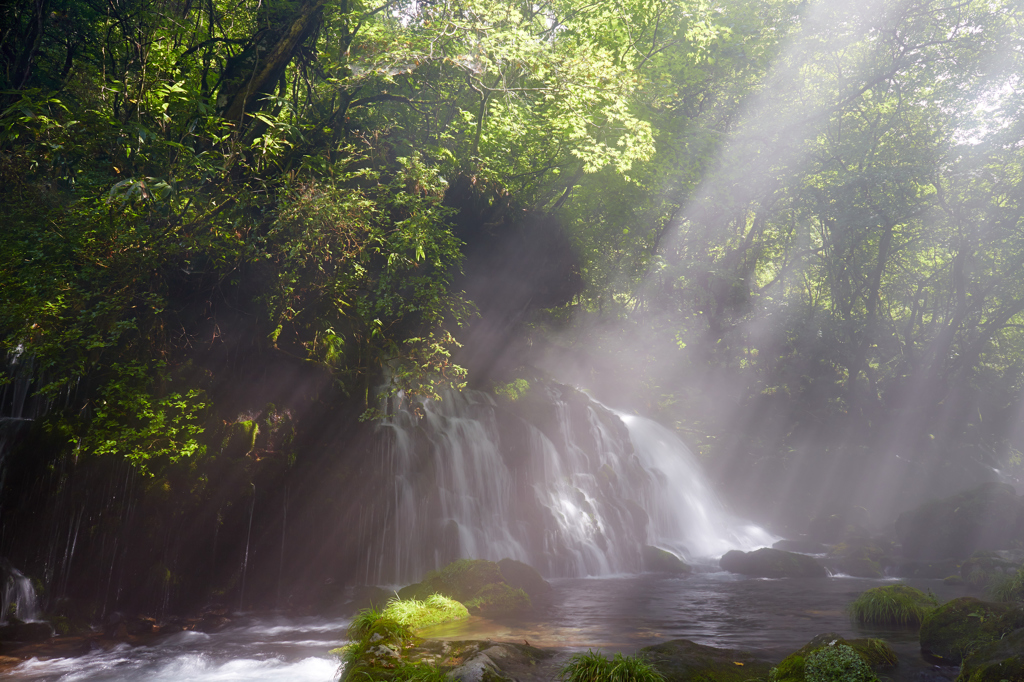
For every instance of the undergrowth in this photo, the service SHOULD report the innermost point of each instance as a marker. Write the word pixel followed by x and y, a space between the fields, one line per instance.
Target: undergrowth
pixel 1007 588
pixel 594 667
pixel 899 605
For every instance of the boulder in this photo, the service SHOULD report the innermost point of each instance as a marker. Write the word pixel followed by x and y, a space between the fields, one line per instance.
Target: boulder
pixel 988 517
pixel 525 577
pixel 983 566
pixel 478 584
pixel 681 660
pixel 804 546
pixel 873 654
pixel 962 624
pixel 997 661
pixel 861 559
pixel 772 563
pixel 657 560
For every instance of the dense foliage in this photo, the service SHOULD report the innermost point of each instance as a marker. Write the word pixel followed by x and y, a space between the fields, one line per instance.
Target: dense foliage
pixel 799 217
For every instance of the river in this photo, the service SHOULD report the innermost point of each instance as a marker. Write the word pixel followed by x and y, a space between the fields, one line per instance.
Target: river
pixel 770 617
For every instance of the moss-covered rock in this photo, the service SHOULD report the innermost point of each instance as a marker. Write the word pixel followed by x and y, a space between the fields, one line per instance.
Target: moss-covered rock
pixel 861 559
pixel 988 517
pixel 772 563
pixel 802 546
pixel 935 570
pixel 874 653
pixel 426 660
pixel 983 566
pixel 957 627
pixel 681 660
pixel 995 662
pixel 478 584
pixel 525 577
pixel 658 560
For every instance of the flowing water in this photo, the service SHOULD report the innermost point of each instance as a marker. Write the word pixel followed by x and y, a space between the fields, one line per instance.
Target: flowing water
pixel 561 483
pixel 619 613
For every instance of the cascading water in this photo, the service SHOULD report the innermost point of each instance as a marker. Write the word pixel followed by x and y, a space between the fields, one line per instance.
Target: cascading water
pixel 19 596
pixel 555 480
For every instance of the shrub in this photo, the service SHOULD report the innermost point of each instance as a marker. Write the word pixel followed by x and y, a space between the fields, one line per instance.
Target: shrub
pixel 899 605
pixel 837 663
pixel 594 667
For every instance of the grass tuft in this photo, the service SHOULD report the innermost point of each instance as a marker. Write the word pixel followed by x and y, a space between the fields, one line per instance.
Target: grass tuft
pixel 594 667
pixel 899 605
pixel 838 663
pixel 1007 588
pixel 415 614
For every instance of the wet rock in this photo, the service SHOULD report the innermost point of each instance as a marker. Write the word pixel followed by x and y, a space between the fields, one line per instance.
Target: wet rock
pixel 681 660
pixel 211 623
pixel 478 584
pixel 935 570
pixel 962 624
pixel 369 596
pixel 37 631
pixel 804 546
pixel 997 661
pixel 525 577
pixel 860 558
pixel 989 517
pixel 657 560
pixel 772 563
pixel 874 653
pixel 983 566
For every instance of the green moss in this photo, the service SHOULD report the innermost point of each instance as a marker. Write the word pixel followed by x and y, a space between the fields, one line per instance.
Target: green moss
pixel 658 560
pixel 897 605
pixel 594 667
pixel 415 614
pixel 518 574
pixel 478 584
pixel 958 627
pixel 837 663
pixel 499 598
pixel 681 660
pixel 873 653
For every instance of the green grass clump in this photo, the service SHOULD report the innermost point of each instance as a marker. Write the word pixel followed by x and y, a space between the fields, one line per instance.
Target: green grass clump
pixel 1007 588
pixel 899 605
pixel 838 663
pixel 417 672
pixel 370 621
pixel 415 614
pixel 594 667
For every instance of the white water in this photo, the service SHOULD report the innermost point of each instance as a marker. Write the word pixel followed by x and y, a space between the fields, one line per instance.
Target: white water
pixel 284 650
pixel 687 516
pixel 19 597
pixel 471 480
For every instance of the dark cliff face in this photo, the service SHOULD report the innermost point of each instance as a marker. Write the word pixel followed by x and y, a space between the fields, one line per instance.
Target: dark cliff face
pixel 516 262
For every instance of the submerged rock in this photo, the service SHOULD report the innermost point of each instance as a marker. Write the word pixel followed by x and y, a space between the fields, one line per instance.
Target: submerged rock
pixel 988 517
pixel 997 661
pixel 772 563
pixel 681 660
pixel 657 560
pixel 962 624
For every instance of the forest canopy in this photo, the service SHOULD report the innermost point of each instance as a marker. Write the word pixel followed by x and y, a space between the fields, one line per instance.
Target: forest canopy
pixel 801 217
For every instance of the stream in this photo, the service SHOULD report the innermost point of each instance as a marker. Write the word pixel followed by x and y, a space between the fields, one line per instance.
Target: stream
pixel 769 617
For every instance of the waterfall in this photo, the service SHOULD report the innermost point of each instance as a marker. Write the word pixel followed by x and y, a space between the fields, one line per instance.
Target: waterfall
pixel 19 596
pixel 555 480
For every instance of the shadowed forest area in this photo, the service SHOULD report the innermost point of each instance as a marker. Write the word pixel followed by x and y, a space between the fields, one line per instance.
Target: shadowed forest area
pixel 235 236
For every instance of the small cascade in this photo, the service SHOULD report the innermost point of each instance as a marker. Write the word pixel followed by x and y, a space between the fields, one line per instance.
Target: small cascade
pixel 19 600
pixel 555 480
